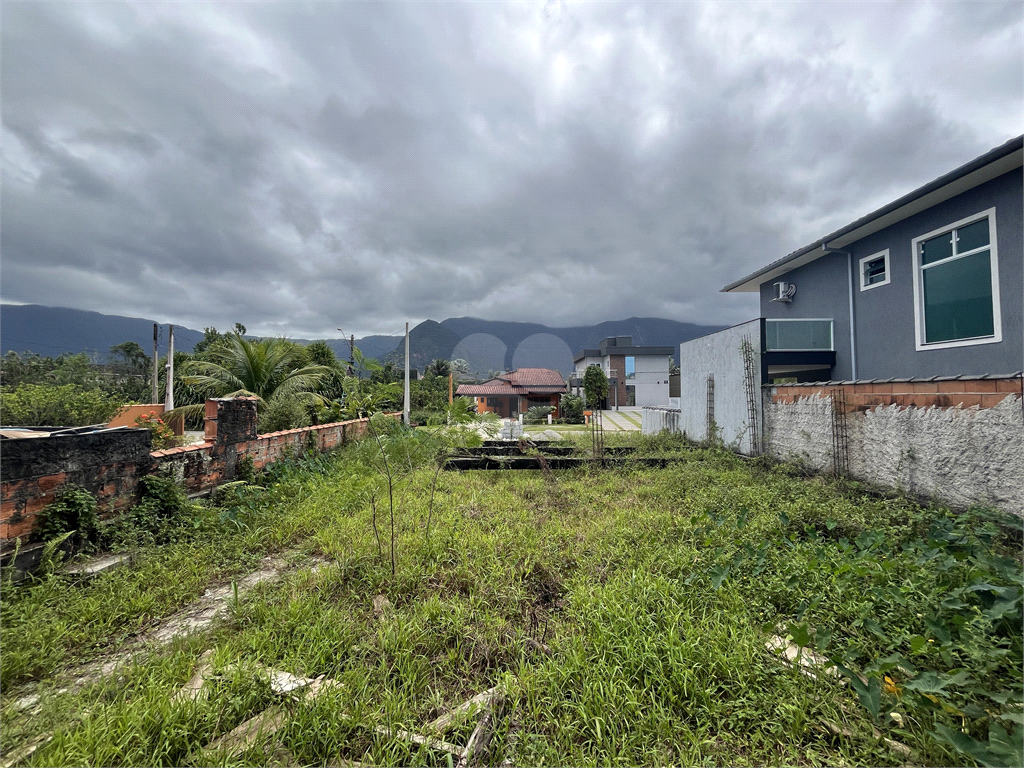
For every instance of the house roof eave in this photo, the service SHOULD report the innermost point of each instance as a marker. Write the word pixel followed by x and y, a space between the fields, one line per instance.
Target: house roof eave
pixel 992 164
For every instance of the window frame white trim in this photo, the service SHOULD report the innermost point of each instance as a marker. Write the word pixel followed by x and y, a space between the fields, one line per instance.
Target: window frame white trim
pixel 918 276
pixel 863 262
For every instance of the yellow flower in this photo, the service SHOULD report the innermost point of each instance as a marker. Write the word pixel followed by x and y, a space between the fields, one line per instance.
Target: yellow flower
pixel 889 686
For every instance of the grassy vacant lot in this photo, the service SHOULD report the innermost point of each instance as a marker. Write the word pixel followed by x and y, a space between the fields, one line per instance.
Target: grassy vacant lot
pixel 654 590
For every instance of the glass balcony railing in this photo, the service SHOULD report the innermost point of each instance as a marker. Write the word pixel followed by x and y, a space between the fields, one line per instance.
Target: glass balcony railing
pixel 798 336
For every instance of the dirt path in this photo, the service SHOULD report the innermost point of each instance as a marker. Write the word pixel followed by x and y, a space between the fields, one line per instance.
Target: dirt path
pixel 197 616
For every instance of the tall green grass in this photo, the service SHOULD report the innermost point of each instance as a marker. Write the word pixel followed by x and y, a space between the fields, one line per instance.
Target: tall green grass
pixel 655 591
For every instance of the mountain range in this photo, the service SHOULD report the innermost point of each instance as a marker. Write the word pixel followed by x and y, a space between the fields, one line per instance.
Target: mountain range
pixel 486 345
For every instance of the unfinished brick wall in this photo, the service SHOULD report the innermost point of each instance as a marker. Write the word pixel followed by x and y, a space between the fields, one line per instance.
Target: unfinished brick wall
pixel 231 436
pixel 957 440
pixel 935 393
pixel 109 464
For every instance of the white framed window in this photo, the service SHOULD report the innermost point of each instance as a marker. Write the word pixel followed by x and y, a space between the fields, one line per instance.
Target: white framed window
pixel 874 270
pixel 956 284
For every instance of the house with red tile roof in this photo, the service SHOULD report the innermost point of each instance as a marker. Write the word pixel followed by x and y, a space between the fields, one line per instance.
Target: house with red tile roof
pixel 515 392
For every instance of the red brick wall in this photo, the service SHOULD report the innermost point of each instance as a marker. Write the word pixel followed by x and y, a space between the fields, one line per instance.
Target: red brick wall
pixel 203 467
pixel 111 466
pixel 34 470
pixel 966 393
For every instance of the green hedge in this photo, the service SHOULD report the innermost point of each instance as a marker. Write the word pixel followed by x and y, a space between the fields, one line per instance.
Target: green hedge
pixel 41 405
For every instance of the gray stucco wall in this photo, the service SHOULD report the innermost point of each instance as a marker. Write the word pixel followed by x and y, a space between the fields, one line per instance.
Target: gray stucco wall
pixel 884 316
pixel 961 456
pixel 718 354
pixel 822 292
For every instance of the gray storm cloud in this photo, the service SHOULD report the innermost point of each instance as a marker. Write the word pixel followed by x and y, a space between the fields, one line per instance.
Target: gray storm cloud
pixel 304 167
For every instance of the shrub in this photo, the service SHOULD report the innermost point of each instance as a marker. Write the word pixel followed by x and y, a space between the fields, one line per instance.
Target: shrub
pixel 426 416
pixel 283 413
pixel 73 510
pixel 41 405
pixel 160 517
pixel 163 435
pixel 571 408
pixel 537 414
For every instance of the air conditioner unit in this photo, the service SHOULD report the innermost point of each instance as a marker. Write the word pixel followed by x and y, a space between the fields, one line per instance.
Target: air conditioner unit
pixel 783 292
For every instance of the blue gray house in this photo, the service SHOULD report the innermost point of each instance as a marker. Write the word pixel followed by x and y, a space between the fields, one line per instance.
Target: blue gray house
pixel 931 284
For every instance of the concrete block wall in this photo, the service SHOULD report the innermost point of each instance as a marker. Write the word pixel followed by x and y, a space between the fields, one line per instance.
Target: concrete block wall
pixel 960 441
pixel 654 420
pixel 720 355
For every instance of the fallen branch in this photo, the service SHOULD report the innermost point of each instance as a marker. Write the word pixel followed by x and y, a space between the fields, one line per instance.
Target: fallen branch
pixel 426 741
pixel 240 738
pixel 537 645
pixel 480 738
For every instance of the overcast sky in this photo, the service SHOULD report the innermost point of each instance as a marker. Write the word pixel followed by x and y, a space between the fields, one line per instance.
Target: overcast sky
pixel 300 167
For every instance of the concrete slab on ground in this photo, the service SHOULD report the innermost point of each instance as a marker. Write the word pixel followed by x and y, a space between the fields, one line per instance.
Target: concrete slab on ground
pixel 615 421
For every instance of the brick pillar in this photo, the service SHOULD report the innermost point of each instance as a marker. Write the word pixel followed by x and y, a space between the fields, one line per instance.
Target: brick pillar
pixel 210 425
pixel 234 419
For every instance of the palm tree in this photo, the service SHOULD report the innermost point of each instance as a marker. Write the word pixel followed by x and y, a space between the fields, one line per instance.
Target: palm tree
pixel 266 369
pixel 439 367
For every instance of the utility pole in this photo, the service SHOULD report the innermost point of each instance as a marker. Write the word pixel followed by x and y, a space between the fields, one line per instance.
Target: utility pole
pixel 450 398
pixel 156 366
pixel 351 352
pixel 405 406
pixel 169 397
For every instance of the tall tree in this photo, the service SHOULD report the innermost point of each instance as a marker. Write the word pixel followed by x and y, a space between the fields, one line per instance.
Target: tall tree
pixel 132 356
pixel 595 386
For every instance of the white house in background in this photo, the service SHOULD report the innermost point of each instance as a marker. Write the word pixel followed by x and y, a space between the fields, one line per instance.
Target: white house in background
pixel 637 375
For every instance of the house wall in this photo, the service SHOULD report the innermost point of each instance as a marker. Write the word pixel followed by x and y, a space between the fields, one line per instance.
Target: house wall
pixel 719 354
pixel 959 441
pixel 822 292
pixel 617 396
pixel 884 315
pixel 651 380
pixel 549 401
pixel 128 414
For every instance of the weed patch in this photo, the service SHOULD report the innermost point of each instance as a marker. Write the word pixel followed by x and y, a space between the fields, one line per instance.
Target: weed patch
pixel 623 614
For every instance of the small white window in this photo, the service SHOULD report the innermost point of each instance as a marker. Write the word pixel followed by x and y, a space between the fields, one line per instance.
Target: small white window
pixel 874 270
